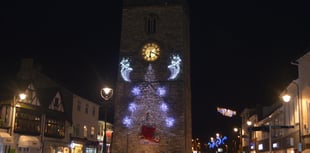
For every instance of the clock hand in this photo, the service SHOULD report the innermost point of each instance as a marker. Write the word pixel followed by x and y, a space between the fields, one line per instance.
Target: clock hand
pixel 154 52
pixel 150 54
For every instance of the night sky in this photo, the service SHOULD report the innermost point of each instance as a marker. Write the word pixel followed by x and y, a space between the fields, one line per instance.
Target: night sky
pixel 240 50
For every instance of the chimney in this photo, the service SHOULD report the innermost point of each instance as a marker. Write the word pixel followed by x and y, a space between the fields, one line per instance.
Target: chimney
pixel 26 69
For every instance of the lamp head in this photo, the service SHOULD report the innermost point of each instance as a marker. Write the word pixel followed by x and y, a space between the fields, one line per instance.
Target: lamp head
pixel 236 129
pixel 22 96
pixel 106 93
pixel 286 98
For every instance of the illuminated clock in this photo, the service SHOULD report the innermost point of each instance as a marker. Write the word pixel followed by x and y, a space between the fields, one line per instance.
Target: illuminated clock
pixel 150 52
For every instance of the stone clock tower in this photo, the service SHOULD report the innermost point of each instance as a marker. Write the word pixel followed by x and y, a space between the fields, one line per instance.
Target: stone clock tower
pixel 153 92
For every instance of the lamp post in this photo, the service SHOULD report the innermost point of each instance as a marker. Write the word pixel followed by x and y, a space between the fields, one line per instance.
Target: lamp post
pixel 106 93
pixel 238 142
pixel 286 98
pixel 21 96
pixel 270 136
pixel 249 124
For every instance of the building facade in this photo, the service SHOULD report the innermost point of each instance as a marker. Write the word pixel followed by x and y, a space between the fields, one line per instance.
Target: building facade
pixel 84 132
pixel 283 127
pixel 153 93
pixel 50 119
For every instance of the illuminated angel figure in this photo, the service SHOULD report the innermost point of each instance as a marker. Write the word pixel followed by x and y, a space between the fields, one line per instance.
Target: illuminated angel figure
pixel 125 69
pixel 174 67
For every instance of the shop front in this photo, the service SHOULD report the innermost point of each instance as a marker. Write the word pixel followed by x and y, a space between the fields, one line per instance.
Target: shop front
pixel 80 145
pixel 28 144
pixel 6 142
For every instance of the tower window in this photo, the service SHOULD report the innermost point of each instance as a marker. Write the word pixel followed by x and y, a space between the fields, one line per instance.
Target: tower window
pixel 86 108
pixel 151 24
pixel 78 107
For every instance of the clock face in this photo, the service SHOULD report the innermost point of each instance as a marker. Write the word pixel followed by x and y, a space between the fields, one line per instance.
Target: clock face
pixel 150 52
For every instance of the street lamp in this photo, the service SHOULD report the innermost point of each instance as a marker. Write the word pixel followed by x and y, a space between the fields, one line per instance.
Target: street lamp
pixel 20 97
pixel 286 98
pixel 106 93
pixel 238 141
pixel 249 123
pixel 249 133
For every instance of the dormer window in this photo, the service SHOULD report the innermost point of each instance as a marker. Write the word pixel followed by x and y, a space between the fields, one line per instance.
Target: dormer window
pixel 86 108
pixel 56 104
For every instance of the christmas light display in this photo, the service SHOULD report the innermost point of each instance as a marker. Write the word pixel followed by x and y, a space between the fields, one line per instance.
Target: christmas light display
pixel 174 66
pixel 148 109
pixel 125 69
pixel 218 141
pixel 226 112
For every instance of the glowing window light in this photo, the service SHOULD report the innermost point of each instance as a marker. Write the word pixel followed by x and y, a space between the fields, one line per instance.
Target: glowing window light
pixel 252 146
pixel 132 107
pixel 174 66
pixel 164 107
pixel 169 122
pixel 275 145
pixel 125 69
pixel 161 91
pixel 127 121
pixel 136 91
pixel 260 147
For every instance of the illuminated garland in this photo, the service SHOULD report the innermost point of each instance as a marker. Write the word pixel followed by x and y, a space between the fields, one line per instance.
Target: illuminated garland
pixel 214 143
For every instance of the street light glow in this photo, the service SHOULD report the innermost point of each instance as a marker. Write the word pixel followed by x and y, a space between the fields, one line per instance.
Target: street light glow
pixel 249 123
pixel 286 98
pixel 106 93
pixel 22 96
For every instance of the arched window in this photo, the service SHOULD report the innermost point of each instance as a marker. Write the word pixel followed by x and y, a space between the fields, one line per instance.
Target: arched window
pixel 151 23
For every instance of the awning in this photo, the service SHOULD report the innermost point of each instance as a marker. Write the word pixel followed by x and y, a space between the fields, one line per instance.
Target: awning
pixel 6 138
pixel 28 142
pixel 306 151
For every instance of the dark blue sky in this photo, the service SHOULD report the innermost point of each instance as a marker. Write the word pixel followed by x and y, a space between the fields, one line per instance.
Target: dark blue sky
pixel 240 50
